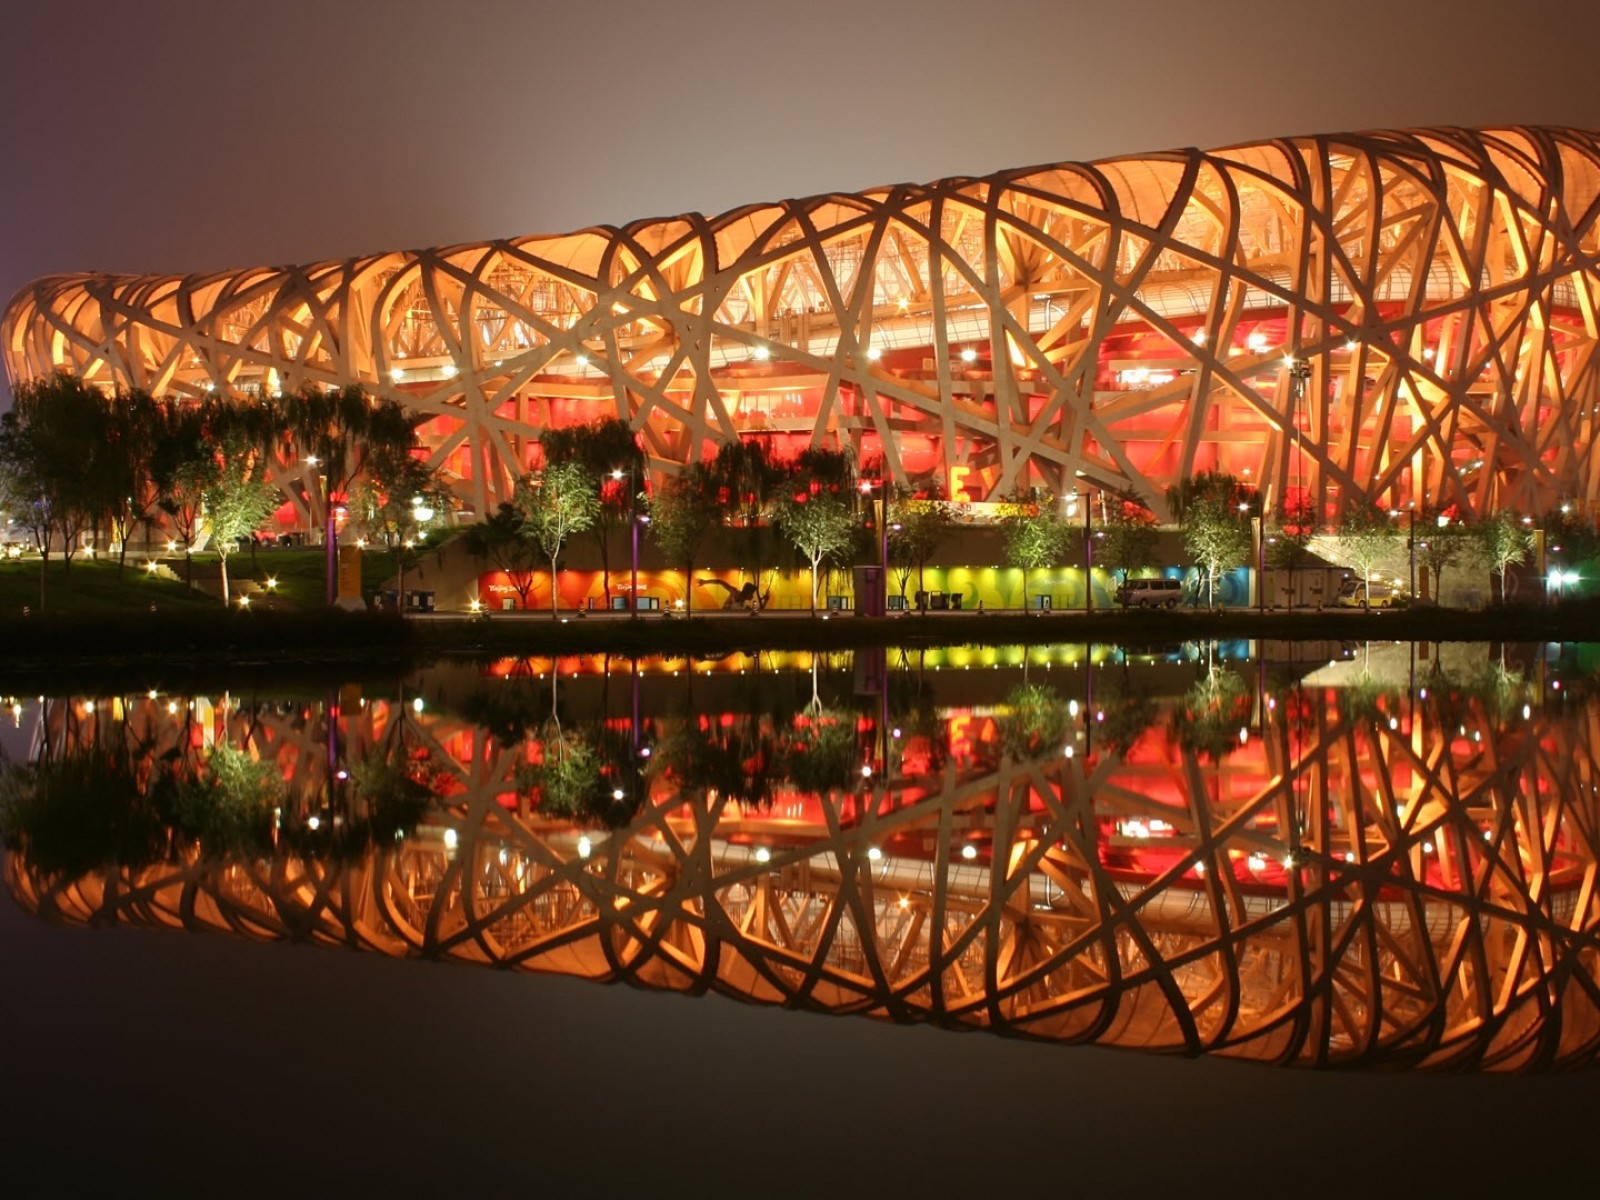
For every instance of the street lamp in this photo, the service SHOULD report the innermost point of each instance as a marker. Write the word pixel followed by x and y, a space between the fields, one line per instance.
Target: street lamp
pixel 1258 532
pixel 421 514
pixel 1088 553
pixel 633 532
pixel 1299 376
pixel 1244 516
pixel 1411 548
pixel 881 486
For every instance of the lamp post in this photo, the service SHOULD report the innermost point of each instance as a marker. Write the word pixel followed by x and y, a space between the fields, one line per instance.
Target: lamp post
pixel 1244 515
pixel 421 514
pixel 883 548
pixel 1411 549
pixel 329 554
pixel 633 531
pixel 1088 553
pixel 1299 376
pixel 1259 534
pixel 881 486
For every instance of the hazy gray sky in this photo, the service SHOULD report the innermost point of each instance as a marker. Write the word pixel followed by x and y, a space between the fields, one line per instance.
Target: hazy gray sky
pixel 181 135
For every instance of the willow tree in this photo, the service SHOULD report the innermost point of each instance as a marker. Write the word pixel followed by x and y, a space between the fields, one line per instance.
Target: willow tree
pixel 746 479
pixel 182 465
pixel 345 435
pixel 682 514
pixel 55 447
pixel 499 539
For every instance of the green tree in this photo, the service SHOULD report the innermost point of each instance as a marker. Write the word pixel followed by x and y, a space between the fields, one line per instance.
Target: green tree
pixel 682 513
pixel 237 499
pixel 1288 536
pixel 228 806
pixel 396 504
pixel 568 777
pixel 1213 512
pixel 917 528
pixel 82 811
pixel 1208 718
pixel 23 494
pixel 747 479
pixel 1501 542
pixel 1036 537
pixel 55 441
pixel 133 421
pixel 609 448
pixel 820 754
pixel 346 435
pixel 559 502
pixel 816 511
pixel 1442 542
pixel 1036 722
pixel 1127 537
pixel 500 540
pixel 1367 535
pixel 182 467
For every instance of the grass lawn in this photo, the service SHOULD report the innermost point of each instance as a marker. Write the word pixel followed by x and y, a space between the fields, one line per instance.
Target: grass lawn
pixel 96 586
pixel 93 587
pixel 301 572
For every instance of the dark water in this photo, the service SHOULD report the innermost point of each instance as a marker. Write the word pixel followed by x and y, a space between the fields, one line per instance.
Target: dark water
pixel 1378 858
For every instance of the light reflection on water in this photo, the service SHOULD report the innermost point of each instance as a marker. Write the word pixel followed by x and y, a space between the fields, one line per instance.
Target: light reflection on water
pixel 1316 855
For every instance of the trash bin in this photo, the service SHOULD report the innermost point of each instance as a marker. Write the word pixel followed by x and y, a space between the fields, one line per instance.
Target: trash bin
pixel 938 600
pixel 1042 603
pixel 837 603
pixel 955 601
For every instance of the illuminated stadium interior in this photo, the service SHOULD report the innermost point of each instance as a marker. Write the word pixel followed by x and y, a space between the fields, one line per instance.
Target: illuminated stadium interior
pixel 1400 317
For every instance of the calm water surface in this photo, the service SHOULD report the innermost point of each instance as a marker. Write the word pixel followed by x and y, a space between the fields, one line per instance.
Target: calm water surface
pixel 1333 855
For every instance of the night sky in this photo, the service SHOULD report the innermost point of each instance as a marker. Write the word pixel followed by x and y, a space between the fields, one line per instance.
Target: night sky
pixel 193 135
pixel 184 136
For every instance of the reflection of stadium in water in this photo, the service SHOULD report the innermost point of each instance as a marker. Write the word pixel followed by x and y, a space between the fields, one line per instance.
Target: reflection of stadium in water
pixel 1183 857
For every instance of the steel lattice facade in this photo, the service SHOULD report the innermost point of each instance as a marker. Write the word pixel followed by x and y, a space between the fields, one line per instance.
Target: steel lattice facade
pixel 1401 317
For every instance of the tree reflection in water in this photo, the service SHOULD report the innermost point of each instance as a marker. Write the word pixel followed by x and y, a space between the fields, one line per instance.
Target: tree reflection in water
pixel 1393 869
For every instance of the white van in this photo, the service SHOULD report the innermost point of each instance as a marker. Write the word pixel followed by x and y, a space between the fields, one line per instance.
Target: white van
pixel 1150 593
pixel 1376 595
